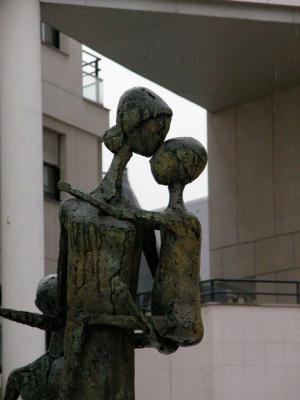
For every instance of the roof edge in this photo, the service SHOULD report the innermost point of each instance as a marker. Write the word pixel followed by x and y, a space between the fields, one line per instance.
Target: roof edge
pixel 231 9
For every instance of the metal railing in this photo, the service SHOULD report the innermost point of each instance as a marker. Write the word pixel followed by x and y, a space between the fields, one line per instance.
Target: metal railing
pixel 92 84
pixel 250 291
pixel 241 291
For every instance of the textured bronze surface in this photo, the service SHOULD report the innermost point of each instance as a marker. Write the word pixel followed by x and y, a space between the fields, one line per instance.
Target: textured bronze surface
pixel 90 308
pixel 175 296
pixel 99 254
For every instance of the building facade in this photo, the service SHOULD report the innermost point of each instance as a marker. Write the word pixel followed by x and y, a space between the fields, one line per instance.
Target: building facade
pixel 254 187
pixel 73 126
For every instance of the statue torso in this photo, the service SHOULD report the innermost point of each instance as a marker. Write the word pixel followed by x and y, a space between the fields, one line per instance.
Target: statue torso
pixel 99 249
pixel 175 291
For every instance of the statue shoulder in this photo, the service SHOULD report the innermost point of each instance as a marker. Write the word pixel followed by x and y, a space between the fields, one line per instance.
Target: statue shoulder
pixel 68 207
pixel 194 223
pixel 190 221
pixel 65 205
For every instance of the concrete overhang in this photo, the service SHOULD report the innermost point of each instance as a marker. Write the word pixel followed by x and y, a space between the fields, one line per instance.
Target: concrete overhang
pixel 214 53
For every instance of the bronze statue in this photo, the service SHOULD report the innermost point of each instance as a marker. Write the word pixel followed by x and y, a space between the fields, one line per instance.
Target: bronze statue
pixel 175 295
pixel 99 254
pixel 102 236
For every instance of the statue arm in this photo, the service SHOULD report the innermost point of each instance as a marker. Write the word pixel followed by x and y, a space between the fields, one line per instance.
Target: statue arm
pixel 44 322
pixel 154 218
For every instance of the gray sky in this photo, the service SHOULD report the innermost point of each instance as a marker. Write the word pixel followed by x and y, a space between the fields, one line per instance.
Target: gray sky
pixel 188 120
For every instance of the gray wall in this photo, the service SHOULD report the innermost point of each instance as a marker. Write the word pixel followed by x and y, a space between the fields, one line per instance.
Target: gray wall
pixel 245 355
pixel 254 188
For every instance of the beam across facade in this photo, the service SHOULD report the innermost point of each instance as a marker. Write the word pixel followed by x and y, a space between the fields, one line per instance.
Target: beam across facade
pixel 277 11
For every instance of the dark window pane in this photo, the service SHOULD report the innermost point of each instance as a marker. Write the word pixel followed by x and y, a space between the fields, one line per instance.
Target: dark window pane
pixel 50 35
pixel 51 178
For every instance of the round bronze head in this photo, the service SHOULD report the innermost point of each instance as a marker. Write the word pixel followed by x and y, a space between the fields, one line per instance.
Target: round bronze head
pixel 46 295
pixel 179 160
pixel 143 119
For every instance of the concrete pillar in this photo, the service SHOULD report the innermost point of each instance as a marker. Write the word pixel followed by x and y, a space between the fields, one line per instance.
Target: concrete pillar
pixel 22 258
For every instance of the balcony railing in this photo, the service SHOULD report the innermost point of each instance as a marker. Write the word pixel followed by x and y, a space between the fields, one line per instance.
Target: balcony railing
pixel 241 291
pixel 92 84
pixel 250 291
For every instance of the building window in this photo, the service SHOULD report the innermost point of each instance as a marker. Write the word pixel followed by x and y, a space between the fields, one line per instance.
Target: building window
pixel 50 36
pixel 51 178
pixel 51 170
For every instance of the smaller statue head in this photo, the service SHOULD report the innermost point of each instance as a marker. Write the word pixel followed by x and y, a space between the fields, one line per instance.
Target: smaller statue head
pixel 143 121
pixel 46 295
pixel 179 160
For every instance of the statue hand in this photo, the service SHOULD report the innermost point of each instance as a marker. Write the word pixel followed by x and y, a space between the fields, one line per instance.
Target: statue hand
pixel 64 186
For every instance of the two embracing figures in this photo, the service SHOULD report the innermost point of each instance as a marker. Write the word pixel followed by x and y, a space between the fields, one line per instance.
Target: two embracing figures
pixel 95 321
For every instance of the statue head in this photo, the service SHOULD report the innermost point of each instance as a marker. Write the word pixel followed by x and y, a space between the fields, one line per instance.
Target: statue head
pixel 143 121
pixel 179 160
pixel 46 295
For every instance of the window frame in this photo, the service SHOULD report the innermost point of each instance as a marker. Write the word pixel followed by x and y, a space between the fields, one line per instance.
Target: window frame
pixel 55 41
pixel 53 196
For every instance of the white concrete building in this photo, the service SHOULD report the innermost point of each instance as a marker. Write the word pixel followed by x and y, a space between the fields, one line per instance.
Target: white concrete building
pixel 239 60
